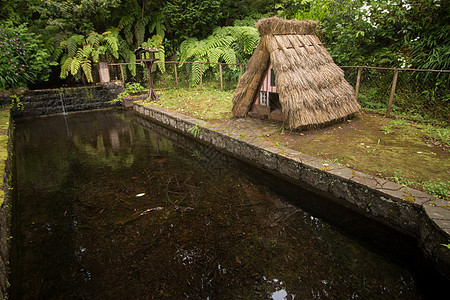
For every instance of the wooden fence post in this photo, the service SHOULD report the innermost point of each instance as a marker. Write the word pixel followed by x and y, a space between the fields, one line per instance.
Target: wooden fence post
pixel 391 97
pixel 121 73
pixel 221 82
pixel 176 74
pixel 358 81
pixel 201 77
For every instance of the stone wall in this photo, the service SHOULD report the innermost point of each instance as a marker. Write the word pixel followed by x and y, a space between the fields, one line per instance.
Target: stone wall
pixel 45 102
pixel 5 217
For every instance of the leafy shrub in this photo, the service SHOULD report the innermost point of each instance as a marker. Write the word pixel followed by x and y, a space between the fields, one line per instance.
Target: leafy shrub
pixel 134 88
pixel 130 88
pixel 23 58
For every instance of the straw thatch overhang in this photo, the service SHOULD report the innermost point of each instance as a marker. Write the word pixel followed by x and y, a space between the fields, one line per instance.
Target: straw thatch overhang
pixel 312 89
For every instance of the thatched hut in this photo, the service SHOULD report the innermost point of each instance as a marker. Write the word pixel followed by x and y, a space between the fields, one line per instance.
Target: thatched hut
pixel 309 87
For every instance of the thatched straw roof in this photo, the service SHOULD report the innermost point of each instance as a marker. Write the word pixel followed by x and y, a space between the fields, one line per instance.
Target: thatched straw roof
pixel 312 89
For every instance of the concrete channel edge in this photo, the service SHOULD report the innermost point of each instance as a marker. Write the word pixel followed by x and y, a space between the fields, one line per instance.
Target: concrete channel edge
pixel 407 210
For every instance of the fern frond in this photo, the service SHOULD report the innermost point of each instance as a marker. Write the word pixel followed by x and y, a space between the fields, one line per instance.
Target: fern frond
pixel 128 33
pixel 80 54
pixel 157 40
pixel 65 66
pixel 50 44
pixel 114 31
pixel 57 53
pixel 86 67
pixel 73 42
pixel 229 56
pixel 214 54
pixel 139 30
pixel 93 38
pixel 195 74
pixel 125 21
pixel 160 55
pixel 157 25
pixel 123 44
pixel 131 57
pixel 74 66
pixel 95 55
pixel 186 49
pixel 86 51
pixel 113 43
pixel 220 41
pixel 59 37
pixel 249 36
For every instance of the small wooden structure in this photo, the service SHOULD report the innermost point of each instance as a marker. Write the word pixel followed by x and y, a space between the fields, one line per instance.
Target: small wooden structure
pixel 148 62
pixel 267 102
pixel 310 88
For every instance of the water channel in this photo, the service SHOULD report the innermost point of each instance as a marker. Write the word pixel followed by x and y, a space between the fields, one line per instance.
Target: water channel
pixel 109 209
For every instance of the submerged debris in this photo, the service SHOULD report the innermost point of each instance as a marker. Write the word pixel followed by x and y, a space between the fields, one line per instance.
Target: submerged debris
pixel 150 210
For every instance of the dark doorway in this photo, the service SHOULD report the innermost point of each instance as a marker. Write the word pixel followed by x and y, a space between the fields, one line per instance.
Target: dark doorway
pixel 274 102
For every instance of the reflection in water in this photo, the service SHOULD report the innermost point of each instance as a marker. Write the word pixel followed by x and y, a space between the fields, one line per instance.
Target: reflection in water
pixel 117 211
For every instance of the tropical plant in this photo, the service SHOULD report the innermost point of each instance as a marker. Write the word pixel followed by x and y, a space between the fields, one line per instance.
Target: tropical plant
pixel 230 45
pixel 134 26
pixel 83 50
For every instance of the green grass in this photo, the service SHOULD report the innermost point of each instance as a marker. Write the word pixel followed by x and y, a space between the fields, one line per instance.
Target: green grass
pixel 438 136
pixel 208 104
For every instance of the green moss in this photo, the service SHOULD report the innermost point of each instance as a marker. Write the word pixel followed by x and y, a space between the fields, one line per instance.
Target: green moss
pixel 4 124
pixel 364 145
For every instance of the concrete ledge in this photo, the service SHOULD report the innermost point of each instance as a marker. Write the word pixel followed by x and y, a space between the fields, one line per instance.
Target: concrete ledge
pixel 409 211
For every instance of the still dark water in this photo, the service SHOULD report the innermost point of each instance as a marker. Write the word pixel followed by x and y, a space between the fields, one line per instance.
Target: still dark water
pixel 108 209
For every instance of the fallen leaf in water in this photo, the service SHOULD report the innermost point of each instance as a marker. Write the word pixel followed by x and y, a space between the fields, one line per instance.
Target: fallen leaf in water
pixel 150 210
pixel 140 195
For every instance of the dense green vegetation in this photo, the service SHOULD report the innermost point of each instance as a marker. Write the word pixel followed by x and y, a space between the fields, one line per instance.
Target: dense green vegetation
pixel 60 42
pixel 69 36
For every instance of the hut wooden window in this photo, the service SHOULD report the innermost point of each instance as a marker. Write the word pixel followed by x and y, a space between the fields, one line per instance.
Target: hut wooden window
pixel 263 98
pixel 272 77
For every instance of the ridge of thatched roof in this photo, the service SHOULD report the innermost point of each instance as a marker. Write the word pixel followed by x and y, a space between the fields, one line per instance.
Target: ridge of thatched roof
pixel 311 87
pixel 275 25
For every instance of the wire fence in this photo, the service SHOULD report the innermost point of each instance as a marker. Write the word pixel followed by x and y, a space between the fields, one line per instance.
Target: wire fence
pixel 421 93
pixel 222 76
